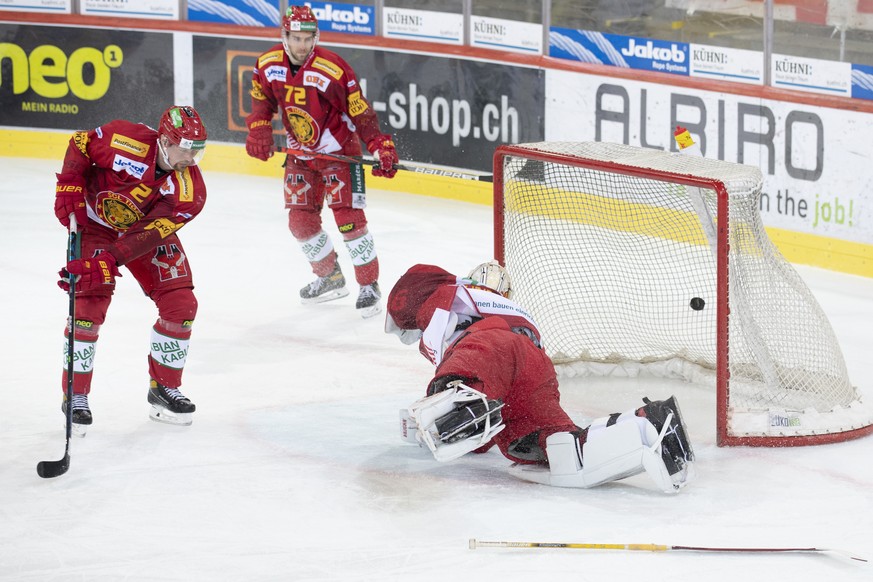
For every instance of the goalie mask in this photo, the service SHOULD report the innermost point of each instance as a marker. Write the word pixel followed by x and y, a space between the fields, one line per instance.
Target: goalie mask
pixel 181 137
pixel 299 33
pixel 493 276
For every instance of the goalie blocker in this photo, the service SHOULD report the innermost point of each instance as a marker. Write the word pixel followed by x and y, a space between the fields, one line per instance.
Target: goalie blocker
pixel 651 439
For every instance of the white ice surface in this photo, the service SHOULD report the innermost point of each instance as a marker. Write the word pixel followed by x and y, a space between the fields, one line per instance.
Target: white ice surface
pixel 294 469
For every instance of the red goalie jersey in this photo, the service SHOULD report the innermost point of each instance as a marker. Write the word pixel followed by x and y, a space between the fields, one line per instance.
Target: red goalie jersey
pixel 321 104
pixel 124 189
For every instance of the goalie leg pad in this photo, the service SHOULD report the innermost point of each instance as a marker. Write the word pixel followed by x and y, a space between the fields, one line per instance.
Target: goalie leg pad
pixel 616 447
pixel 454 422
pixel 612 454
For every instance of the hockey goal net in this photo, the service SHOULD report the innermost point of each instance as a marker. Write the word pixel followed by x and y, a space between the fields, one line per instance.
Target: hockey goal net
pixel 628 256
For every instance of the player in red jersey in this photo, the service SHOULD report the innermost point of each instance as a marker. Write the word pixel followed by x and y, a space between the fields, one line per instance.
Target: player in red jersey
pixel 131 188
pixel 323 109
pixel 494 384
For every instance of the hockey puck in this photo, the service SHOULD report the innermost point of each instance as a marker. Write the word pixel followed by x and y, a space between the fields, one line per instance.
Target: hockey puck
pixel 697 303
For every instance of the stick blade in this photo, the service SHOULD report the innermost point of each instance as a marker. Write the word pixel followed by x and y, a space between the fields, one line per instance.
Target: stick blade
pixel 49 469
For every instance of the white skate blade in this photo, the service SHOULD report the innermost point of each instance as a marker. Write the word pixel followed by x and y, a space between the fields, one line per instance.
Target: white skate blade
pixel 329 296
pixel 372 311
pixel 161 414
pixel 78 430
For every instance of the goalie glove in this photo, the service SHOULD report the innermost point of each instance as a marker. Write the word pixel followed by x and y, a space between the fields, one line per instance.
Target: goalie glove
pixel 383 149
pixel 455 421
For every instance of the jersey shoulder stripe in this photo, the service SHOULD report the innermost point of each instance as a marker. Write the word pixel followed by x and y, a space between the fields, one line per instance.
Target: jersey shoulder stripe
pixel 332 69
pixel 275 56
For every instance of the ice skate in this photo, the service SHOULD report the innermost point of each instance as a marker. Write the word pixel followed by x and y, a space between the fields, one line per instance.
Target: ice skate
pixel 169 405
pixel 81 414
pixel 326 288
pixel 368 300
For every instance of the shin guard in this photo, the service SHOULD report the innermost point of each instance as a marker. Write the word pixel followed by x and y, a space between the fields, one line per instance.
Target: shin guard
pixel 169 350
pixel 362 251
pixel 84 346
pixel 319 252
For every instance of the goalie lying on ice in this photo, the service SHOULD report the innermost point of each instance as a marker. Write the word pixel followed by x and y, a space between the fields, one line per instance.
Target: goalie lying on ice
pixel 495 385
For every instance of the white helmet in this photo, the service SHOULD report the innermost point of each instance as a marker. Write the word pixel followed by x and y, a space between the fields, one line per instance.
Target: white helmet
pixel 493 276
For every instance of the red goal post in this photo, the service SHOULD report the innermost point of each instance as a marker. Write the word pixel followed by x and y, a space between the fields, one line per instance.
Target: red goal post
pixel 633 258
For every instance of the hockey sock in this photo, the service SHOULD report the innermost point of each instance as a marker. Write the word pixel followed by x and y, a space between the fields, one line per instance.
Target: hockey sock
pixel 169 350
pixel 319 252
pixel 362 251
pixel 84 345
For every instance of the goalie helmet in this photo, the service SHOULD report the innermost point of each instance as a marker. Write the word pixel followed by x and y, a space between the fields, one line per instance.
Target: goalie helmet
pixel 298 19
pixel 492 275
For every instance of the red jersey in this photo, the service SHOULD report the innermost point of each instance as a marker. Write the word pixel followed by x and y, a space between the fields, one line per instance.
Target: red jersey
pixel 508 366
pixel 321 105
pixel 126 191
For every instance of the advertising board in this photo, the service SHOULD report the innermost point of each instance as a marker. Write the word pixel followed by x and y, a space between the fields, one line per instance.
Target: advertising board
pixel 74 78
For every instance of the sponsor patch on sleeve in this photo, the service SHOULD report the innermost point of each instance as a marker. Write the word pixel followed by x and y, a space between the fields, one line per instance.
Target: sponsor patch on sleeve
pixel 165 226
pixel 328 67
pixel 357 104
pixel 257 91
pixel 80 138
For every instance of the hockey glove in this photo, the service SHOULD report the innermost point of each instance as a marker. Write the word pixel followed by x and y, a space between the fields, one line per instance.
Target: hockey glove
pixel 259 143
pixel 89 273
pixel 70 199
pixel 383 149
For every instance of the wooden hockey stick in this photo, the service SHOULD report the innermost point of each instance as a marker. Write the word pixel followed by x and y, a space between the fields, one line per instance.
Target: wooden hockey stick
pixel 474 544
pixel 406 166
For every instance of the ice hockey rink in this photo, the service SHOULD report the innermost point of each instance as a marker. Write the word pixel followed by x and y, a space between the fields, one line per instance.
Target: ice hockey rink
pixel 294 469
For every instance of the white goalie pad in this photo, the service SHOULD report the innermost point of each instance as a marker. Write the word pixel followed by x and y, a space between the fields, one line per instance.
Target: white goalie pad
pixel 628 447
pixel 408 428
pixel 421 419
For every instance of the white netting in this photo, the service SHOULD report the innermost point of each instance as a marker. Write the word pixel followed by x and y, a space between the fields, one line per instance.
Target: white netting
pixel 617 263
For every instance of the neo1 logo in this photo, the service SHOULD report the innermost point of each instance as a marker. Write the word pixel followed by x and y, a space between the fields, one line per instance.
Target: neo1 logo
pixel 52 74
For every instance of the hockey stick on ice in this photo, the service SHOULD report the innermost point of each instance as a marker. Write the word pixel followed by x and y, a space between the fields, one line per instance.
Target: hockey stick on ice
pixel 49 469
pixel 407 166
pixel 474 544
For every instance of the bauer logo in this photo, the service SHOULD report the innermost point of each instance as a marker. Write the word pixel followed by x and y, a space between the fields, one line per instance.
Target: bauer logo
pixel 348 18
